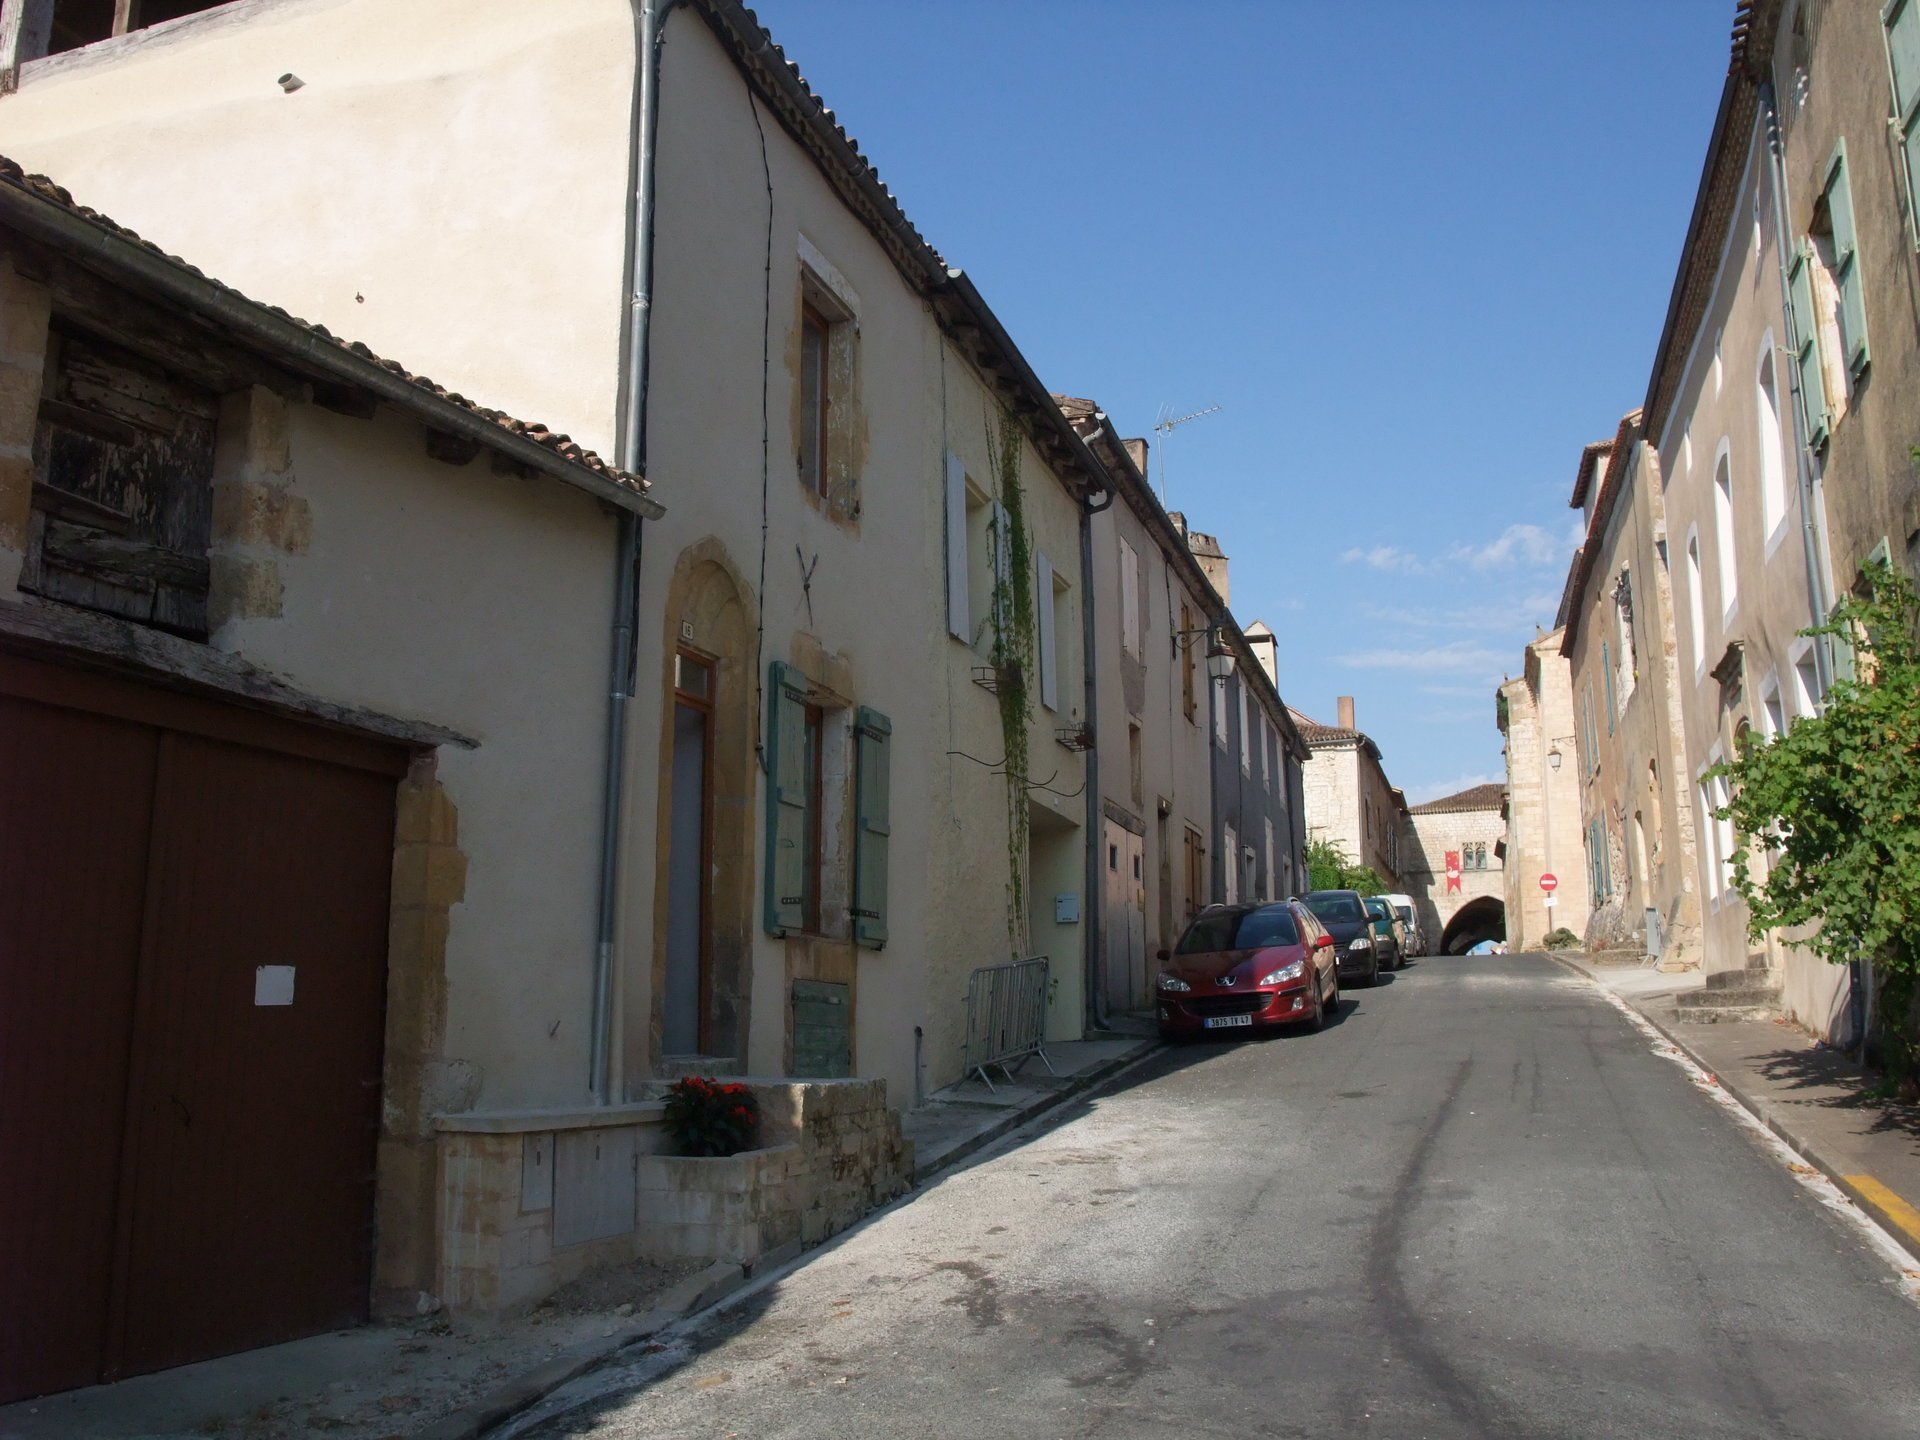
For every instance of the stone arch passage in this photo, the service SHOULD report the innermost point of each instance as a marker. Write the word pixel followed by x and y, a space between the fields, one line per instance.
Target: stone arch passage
pixel 1477 920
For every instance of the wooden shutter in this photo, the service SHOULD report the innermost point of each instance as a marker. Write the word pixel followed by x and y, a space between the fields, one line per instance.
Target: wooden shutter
pixel 1044 647
pixel 1185 641
pixel 957 619
pixel 1846 262
pixel 1902 21
pixel 1129 600
pixel 1815 418
pixel 787 818
pixel 873 786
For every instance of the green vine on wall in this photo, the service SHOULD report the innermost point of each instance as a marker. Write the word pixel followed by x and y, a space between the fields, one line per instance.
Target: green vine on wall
pixel 1012 614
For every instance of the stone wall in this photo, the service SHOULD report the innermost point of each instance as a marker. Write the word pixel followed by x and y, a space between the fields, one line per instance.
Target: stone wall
pixel 1424 865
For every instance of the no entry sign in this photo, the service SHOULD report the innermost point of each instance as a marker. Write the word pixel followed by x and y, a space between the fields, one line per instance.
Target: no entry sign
pixel 1549 882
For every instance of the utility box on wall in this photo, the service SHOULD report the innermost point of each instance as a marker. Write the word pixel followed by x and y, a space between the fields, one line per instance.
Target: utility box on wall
pixel 1066 909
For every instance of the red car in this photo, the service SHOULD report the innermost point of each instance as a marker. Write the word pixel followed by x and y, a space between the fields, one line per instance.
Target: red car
pixel 1241 966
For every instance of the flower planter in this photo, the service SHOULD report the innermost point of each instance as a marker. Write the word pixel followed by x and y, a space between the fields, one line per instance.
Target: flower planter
pixel 731 1207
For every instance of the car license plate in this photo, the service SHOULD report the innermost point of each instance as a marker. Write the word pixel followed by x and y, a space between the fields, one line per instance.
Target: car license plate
pixel 1227 1022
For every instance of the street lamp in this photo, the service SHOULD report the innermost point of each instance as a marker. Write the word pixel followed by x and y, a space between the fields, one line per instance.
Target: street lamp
pixel 1553 757
pixel 1220 660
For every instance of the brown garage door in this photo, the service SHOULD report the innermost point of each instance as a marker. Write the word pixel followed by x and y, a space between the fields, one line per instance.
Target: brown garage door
pixel 193 920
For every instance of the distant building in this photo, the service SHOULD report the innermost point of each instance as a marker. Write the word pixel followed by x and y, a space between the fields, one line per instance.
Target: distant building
pixel 1454 867
pixel 1349 799
pixel 1535 713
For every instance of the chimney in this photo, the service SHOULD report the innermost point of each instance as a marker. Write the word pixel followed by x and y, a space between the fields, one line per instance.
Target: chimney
pixel 1345 706
pixel 1266 649
pixel 1137 452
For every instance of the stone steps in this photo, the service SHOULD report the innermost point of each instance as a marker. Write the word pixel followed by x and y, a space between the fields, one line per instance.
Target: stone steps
pixel 1728 1002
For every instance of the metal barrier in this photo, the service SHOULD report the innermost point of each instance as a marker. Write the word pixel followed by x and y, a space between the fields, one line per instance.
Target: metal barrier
pixel 1007 1016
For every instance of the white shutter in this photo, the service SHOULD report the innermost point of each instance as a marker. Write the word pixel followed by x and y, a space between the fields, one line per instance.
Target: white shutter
pixel 1044 646
pixel 1246 733
pixel 957 622
pixel 1129 600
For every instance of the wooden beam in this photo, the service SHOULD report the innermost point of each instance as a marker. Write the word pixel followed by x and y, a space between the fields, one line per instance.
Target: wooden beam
pixel 26 30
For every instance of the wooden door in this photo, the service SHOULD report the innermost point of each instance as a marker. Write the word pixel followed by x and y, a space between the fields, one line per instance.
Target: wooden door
pixel 194 905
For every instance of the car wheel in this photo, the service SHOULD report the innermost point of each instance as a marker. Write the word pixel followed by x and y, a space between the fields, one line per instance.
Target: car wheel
pixel 1317 1021
pixel 1333 984
pixel 1373 973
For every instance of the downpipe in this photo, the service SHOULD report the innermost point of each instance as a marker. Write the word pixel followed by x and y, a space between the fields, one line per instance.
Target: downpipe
pixel 1093 986
pixel 649 18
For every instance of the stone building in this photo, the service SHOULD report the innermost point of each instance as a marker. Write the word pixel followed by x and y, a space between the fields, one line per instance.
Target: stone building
pixel 1535 714
pixel 1349 799
pixel 1454 867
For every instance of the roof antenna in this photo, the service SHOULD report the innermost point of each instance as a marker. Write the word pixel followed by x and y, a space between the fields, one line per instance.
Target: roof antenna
pixel 1164 427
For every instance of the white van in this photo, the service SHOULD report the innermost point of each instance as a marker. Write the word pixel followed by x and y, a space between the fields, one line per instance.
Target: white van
pixel 1416 943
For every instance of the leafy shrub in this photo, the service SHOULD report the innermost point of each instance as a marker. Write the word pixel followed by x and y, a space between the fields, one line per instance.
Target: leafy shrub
pixel 709 1117
pixel 1328 868
pixel 1561 939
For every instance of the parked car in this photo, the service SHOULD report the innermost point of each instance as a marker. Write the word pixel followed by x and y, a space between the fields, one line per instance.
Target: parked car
pixel 1242 966
pixel 1343 915
pixel 1404 907
pixel 1389 936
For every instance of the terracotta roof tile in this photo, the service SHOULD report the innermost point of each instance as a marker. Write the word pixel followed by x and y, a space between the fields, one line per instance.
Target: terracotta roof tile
pixel 1479 797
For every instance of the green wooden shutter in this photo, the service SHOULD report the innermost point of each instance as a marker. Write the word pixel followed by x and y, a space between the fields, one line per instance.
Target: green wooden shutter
pixel 1815 418
pixel 1606 666
pixel 1846 262
pixel 1902 21
pixel 787 818
pixel 873 781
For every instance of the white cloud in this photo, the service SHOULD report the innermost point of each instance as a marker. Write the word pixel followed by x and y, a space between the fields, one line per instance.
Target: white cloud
pixel 1518 546
pixel 1461 657
pixel 1386 557
pixel 1420 794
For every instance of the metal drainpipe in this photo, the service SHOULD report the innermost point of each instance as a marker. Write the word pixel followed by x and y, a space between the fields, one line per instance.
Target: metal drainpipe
pixel 1812 532
pixel 1091 917
pixel 649 17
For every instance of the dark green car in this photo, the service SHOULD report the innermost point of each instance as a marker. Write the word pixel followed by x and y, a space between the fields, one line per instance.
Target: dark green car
pixel 1386 932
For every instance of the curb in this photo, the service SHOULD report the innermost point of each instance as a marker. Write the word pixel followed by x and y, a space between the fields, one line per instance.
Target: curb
pixel 529 1388
pixel 1014 1119
pixel 1763 1111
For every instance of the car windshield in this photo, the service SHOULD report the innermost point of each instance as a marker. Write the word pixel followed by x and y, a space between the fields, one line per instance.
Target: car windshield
pixel 1378 910
pixel 1405 912
pixel 1240 930
pixel 1336 909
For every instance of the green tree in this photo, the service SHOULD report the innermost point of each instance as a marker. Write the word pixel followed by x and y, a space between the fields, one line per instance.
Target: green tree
pixel 1829 813
pixel 1328 868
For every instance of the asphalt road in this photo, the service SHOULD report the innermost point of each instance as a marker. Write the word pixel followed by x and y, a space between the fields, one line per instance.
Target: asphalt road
pixel 1477 1206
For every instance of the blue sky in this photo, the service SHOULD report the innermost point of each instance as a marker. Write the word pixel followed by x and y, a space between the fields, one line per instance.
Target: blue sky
pixel 1418 254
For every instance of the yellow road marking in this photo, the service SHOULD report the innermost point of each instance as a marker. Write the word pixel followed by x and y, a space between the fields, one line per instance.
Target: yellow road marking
pixel 1888 1204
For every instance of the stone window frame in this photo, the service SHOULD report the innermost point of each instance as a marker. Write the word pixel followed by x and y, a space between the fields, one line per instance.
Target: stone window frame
pixel 824 297
pixel 27 31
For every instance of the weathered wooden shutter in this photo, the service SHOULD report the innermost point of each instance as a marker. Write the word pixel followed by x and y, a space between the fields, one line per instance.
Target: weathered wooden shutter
pixel 1815 418
pixel 1606 667
pixel 787 818
pixel 1044 648
pixel 1846 262
pixel 1129 600
pixel 957 619
pixel 1902 21
pixel 873 787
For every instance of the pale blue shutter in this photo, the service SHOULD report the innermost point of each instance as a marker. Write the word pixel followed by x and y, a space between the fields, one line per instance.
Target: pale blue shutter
pixel 1902 21
pixel 957 620
pixel 1815 418
pixel 786 800
pixel 873 787
pixel 1044 647
pixel 1846 262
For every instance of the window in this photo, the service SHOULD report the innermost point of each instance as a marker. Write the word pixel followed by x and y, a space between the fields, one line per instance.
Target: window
pixel 1808 695
pixel 1185 640
pixel 1709 841
pixel 1816 411
pixel 1723 530
pixel 1230 866
pixel 1791 59
pixel 1195 857
pixel 814 392
pixel 76 23
pixel 873 825
pixel 1842 247
pixel 1129 600
pixel 1773 467
pixel 1134 766
pixel 1606 671
pixel 1829 305
pixel 813 749
pixel 1625 656
pixel 1723 836
pixel 1246 731
pixel 1696 606
pixel 1053 631
pixel 1718 336
pixel 1773 714
pixel 984 528
pixel 1902 21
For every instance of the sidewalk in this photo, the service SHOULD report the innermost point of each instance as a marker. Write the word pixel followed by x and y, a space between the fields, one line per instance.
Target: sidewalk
pixel 1815 1099
pixel 968 1116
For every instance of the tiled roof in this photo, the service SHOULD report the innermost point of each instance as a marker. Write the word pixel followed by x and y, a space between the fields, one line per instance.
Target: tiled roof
pixel 1314 733
pixel 45 191
pixel 1479 797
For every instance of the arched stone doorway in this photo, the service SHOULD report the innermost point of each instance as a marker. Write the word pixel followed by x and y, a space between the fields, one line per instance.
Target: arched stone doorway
pixel 1477 920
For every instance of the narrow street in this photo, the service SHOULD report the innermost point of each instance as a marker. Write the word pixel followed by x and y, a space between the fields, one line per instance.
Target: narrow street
pixel 1478 1205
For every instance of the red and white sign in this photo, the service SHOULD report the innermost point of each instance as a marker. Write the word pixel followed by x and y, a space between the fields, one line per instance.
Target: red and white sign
pixel 1453 872
pixel 1549 882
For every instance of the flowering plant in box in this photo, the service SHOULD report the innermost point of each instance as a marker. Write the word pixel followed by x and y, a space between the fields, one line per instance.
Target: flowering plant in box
pixel 708 1117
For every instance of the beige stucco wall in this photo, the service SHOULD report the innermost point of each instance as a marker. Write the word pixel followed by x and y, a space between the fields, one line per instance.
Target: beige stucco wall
pixel 439 151
pixel 1636 765
pixel 1543 803
pixel 449 185
pixel 1338 778
pixel 1174 747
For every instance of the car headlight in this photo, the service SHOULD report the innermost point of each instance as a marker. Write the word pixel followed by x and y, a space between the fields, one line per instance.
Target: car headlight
pixel 1361 942
pixel 1285 973
pixel 1173 983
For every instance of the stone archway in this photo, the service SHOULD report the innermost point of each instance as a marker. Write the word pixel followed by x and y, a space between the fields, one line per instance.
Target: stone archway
pixel 709 615
pixel 1477 920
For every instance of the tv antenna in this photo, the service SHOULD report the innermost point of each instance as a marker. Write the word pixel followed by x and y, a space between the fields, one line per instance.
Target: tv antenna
pixel 1165 426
